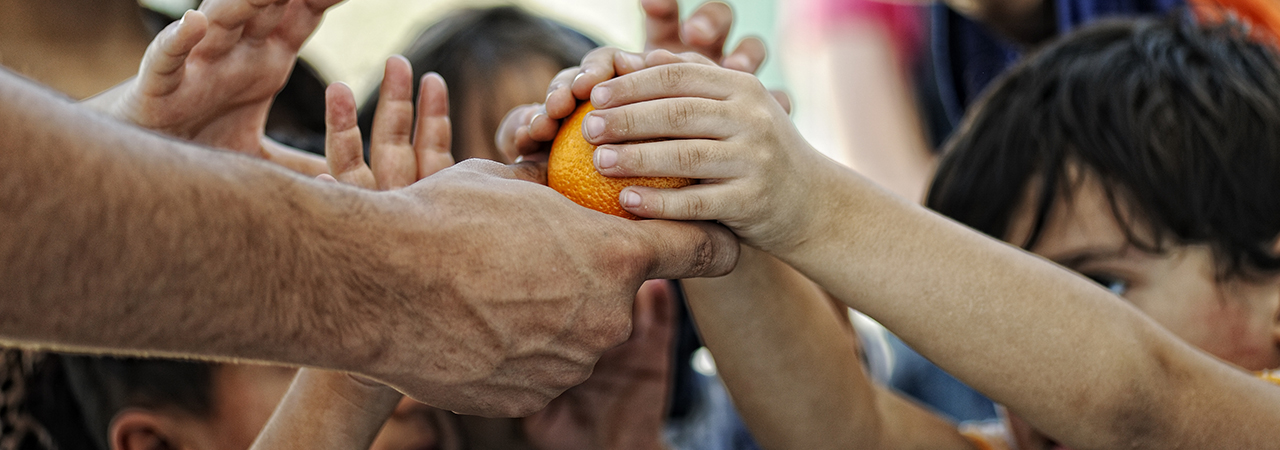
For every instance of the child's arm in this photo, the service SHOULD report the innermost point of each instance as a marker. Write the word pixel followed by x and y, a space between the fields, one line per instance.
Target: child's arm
pixel 790 361
pixel 526 129
pixel 211 77
pixel 328 410
pixel 1058 350
pixel 335 410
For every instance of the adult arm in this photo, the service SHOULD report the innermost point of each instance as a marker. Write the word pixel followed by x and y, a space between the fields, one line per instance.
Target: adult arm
pixel 473 290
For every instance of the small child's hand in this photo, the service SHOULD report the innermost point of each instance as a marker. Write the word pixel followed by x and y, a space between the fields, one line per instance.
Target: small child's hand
pixel 211 77
pixel 401 151
pixel 757 173
pixel 526 130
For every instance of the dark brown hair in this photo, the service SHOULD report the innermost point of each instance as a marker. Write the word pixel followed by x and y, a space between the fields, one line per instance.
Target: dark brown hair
pixel 1178 119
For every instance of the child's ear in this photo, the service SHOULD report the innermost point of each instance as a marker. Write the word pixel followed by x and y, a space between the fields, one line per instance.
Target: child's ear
pixel 136 429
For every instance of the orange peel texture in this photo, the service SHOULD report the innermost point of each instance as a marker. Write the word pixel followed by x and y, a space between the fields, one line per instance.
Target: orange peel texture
pixel 572 172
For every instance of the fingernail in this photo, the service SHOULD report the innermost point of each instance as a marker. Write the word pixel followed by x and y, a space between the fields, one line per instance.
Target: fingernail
pixel 594 126
pixel 606 158
pixel 629 199
pixel 600 96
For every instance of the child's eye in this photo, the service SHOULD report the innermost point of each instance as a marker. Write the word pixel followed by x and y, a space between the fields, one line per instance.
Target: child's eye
pixel 1110 283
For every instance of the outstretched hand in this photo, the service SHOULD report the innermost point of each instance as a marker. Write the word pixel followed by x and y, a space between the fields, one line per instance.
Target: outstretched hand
pixel 715 125
pixel 623 404
pixel 402 151
pixel 211 77
pixel 526 130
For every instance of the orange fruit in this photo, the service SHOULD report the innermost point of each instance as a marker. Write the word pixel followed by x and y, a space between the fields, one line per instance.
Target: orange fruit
pixel 570 171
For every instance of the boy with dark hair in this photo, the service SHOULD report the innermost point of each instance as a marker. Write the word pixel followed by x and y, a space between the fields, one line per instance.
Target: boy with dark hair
pixel 1139 153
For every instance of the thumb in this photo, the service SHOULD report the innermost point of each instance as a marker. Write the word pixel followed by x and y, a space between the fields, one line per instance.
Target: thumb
pixel 689 249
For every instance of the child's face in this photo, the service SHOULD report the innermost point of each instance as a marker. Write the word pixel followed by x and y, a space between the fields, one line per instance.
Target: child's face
pixel 517 84
pixel 245 395
pixel 1234 319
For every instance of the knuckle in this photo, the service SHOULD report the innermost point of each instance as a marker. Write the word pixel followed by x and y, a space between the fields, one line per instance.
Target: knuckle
pixel 704 255
pixel 671 77
pixel 695 206
pixel 679 114
pixel 637 160
pixel 628 121
pixel 690 157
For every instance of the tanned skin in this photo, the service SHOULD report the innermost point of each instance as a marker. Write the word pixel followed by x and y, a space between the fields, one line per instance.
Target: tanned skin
pixel 473 290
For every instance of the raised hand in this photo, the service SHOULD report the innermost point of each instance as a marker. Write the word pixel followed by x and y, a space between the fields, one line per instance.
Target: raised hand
pixel 623 404
pixel 525 130
pixel 212 76
pixel 402 151
pixel 732 135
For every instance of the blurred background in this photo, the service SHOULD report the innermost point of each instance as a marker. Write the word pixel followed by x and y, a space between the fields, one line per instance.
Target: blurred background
pixel 805 57
pixel 358 35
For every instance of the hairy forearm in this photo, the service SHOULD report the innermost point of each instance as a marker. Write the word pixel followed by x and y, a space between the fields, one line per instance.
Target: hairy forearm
pixel 114 239
pixel 1063 353
pixel 789 360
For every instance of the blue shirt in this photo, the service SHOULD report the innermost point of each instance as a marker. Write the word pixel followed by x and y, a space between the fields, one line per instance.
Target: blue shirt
pixel 968 56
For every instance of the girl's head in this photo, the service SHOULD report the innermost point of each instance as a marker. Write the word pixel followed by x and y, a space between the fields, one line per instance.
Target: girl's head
pixel 492 59
pixel 1144 155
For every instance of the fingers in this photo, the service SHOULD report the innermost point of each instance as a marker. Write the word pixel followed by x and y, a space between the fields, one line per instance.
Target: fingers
pixel 747 57
pixel 228 19
pixel 654 311
pixel 560 101
pixel 343 150
pixel 600 65
pixel 783 100
pixel 299 25
pixel 661 24
pixel 513 138
pixel 267 19
pixel 671 80
pixel 662 57
pixel 433 136
pixel 391 151
pixel 688 249
pixel 163 63
pixel 697 202
pixel 687 158
pixel 707 29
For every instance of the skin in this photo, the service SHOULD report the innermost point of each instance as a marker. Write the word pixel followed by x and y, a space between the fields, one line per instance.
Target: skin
pixel 1117 379
pixel 1236 319
pixel 500 340
pixel 614 408
pixel 212 76
pixel 242 398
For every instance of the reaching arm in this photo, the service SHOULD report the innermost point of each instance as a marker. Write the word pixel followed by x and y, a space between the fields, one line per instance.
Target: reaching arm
pixel 473 290
pixel 1058 350
pixel 326 409
pixel 792 368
